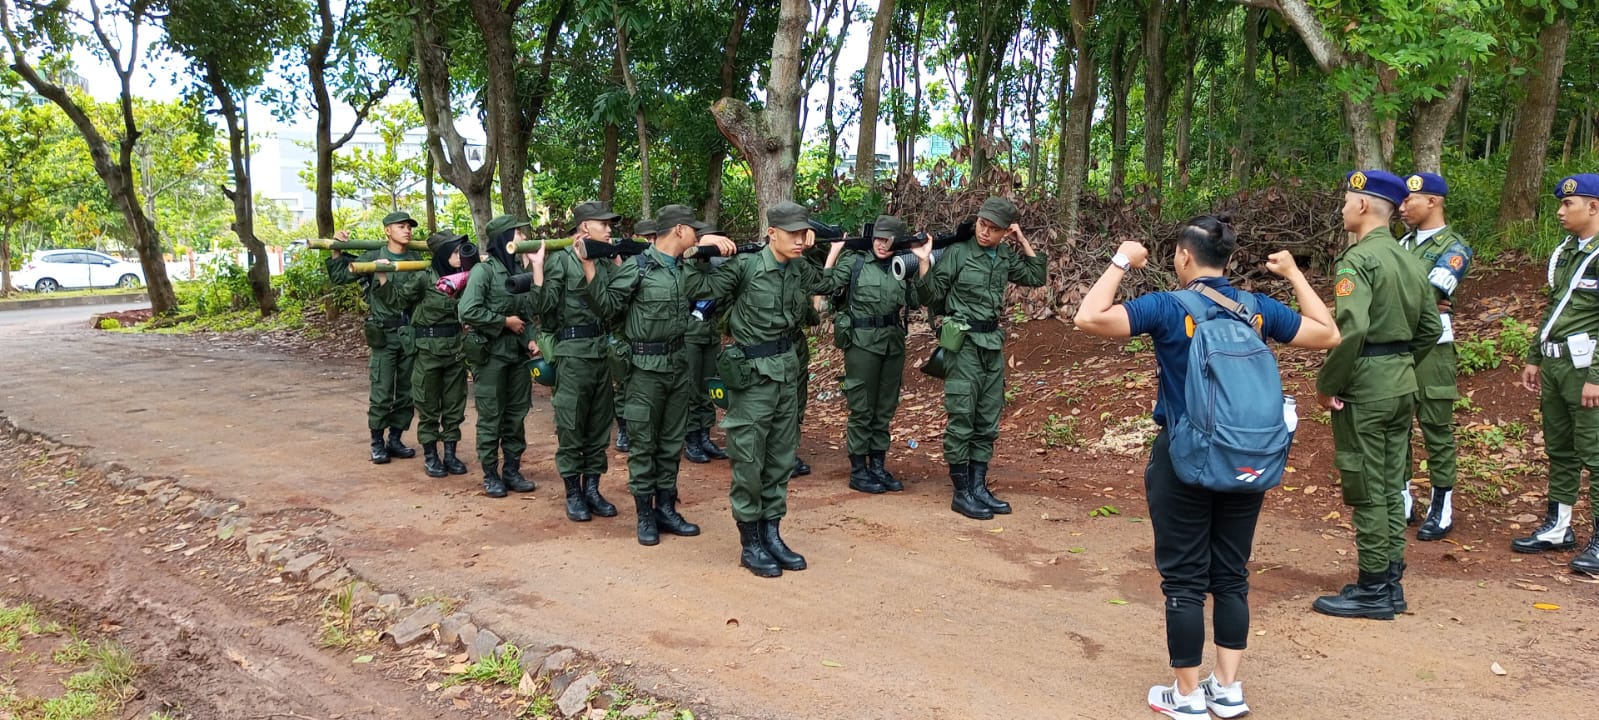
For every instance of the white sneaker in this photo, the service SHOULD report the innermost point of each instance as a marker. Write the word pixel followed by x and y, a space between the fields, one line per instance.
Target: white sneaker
pixel 1227 701
pixel 1167 701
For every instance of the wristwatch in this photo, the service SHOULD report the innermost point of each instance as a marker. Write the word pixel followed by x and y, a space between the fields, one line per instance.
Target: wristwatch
pixel 1122 261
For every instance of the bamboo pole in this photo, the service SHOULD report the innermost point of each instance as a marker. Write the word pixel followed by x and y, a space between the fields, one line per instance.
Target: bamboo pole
pixel 325 244
pixel 367 268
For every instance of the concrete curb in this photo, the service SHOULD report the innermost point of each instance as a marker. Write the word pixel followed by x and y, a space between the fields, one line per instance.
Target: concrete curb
pixel 74 301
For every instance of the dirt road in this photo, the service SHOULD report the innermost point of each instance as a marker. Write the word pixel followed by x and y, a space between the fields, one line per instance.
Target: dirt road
pixel 907 610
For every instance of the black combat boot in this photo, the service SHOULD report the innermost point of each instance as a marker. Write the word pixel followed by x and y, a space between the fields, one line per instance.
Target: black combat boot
pixel 800 468
pixel 493 484
pixel 648 533
pixel 860 479
pixel 1396 591
pixel 711 450
pixel 960 475
pixel 1370 598
pixel 754 555
pixel 981 492
pixel 667 518
pixel 380 451
pixel 1440 516
pixel 1554 534
pixel 452 463
pixel 772 540
pixel 1587 561
pixel 511 470
pixel 692 450
pixel 430 460
pixel 596 503
pixel 621 435
pixel 397 448
pixel 576 511
pixel 874 466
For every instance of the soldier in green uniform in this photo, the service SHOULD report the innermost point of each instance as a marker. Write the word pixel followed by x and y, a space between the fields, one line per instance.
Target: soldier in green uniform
pixel 388 334
pixel 646 294
pixel 704 340
pixel 1560 369
pixel 762 294
pixel 621 368
pixel 583 400
pixel 969 284
pixel 1445 259
pixel 869 326
pixel 809 317
pixel 1388 316
pixel 438 380
pixel 497 346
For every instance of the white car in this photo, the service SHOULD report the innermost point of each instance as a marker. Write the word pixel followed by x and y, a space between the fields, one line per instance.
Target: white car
pixel 52 270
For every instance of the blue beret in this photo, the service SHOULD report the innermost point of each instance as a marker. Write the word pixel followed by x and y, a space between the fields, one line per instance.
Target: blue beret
pixel 1377 183
pixel 1586 185
pixel 1427 183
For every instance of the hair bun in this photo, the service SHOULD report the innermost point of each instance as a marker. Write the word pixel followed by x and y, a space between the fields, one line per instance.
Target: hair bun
pixel 1224 218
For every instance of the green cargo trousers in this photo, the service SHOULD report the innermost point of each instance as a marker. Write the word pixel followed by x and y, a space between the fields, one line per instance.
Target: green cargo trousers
pixel 621 368
pixel 584 407
pixel 503 391
pixel 1370 441
pixel 1435 413
pixel 1570 431
pixel 762 425
pixel 974 395
pixel 701 365
pixel 438 388
pixel 871 388
pixel 389 370
pixel 656 412
pixel 802 389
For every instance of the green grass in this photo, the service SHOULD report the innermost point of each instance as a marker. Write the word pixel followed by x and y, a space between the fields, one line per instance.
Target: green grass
pixel 101 683
pixel 504 668
pixel 21 622
pixel 27 296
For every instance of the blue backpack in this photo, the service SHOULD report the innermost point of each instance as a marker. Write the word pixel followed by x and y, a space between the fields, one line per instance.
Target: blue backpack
pixel 1233 438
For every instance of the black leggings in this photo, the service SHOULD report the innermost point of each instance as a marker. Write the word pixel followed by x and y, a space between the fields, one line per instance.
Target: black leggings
pixel 1202 543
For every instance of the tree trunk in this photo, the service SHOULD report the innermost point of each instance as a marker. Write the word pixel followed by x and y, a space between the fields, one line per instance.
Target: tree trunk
pixel 322 104
pixel 502 107
pixel 638 113
pixel 1121 80
pixel 433 89
pixel 832 94
pixel 872 94
pixel 430 203
pixel 768 138
pixel 242 193
pixel 1185 122
pixel 1079 116
pixel 5 262
pixel 613 142
pixel 1431 125
pixel 1156 93
pixel 906 137
pixel 1565 149
pixel 711 209
pixel 117 174
pixel 1360 116
pixel 1243 160
pixel 1529 147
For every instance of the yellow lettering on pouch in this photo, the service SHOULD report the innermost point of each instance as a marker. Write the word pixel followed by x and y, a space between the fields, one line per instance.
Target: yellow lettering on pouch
pixel 1345 287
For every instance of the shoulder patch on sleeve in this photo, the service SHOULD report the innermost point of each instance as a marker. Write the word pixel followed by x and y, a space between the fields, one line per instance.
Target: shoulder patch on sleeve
pixel 1346 271
pixel 1345 286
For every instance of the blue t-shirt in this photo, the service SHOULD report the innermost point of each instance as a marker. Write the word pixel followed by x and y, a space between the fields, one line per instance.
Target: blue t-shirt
pixel 1163 319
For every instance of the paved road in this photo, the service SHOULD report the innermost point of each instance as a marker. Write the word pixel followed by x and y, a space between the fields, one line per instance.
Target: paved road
pixel 11 320
pixel 907 610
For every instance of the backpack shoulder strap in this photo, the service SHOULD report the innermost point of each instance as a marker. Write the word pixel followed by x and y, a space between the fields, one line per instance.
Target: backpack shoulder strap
pixel 645 263
pixel 1243 308
pixel 854 277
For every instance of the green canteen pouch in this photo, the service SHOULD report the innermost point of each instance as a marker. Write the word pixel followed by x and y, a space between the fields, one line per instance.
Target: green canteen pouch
pixel 841 328
pixel 376 337
pixel 952 335
pixel 735 368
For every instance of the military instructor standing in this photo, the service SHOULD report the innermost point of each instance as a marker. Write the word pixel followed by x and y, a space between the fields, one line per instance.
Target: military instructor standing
pixel 388 334
pixel 1387 314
